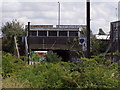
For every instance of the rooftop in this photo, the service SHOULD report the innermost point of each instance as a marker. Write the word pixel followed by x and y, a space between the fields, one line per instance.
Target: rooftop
pixel 103 37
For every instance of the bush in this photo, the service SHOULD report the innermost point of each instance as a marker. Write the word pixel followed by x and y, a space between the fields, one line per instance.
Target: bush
pixel 52 57
pixel 68 75
pixel 12 82
pixel 11 64
pixel 89 73
pixel 97 75
pixel 100 58
pixel 46 75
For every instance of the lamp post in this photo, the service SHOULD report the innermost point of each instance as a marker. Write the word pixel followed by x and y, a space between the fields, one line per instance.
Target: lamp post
pixel 58 13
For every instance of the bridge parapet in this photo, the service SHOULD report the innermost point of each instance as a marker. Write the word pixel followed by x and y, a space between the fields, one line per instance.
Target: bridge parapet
pixel 49 37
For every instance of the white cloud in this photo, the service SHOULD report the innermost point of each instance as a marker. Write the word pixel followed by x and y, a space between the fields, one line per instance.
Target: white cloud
pixel 11 6
pixel 71 13
pixel 100 24
pixel 24 20
pixel 59 0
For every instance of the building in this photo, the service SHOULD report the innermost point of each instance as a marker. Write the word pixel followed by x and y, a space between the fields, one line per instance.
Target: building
pixel 115 36
pixel 103 37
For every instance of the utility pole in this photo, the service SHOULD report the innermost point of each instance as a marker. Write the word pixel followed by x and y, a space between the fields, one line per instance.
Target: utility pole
pixel 118 37
pixel 58 13
pixel 88 28
pixel 28 39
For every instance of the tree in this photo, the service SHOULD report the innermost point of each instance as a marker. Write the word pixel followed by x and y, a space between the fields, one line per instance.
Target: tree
pixel 11 31
pixel 84 32
pixel 101 32
pixel 98 46
pixel 95 46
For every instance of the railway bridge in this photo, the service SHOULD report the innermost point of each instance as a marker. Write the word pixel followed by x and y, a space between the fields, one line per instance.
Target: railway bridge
pixel 61 39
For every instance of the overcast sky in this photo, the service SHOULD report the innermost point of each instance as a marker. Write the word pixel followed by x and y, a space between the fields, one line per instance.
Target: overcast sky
pixel 72 13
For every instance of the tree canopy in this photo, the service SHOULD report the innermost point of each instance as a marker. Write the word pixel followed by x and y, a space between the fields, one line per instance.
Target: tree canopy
pixel 101 32
pixel 13 28
pixel 11 31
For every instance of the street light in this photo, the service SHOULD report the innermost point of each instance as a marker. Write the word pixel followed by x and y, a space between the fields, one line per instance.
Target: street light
pixel 58 13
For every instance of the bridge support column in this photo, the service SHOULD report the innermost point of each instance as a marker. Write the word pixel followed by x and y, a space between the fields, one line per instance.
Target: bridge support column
pixel 57 33
pixel 47 34
pixel 67 33
pixel 37 33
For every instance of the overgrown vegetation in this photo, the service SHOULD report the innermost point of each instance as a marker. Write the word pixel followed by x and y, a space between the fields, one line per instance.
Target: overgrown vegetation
pixel 52 57
pixel 11 64
pixel 87 73
pixel 98 46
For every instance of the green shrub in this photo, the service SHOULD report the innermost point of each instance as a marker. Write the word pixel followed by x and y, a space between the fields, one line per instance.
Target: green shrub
pixel 46 75
pixel 52 57
pixel 100 58
pixel 97 75
pixel 34 56
pixel 11 64
pixel 12 82
pixel 89 73
pixel 101 77
pixel 68 75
